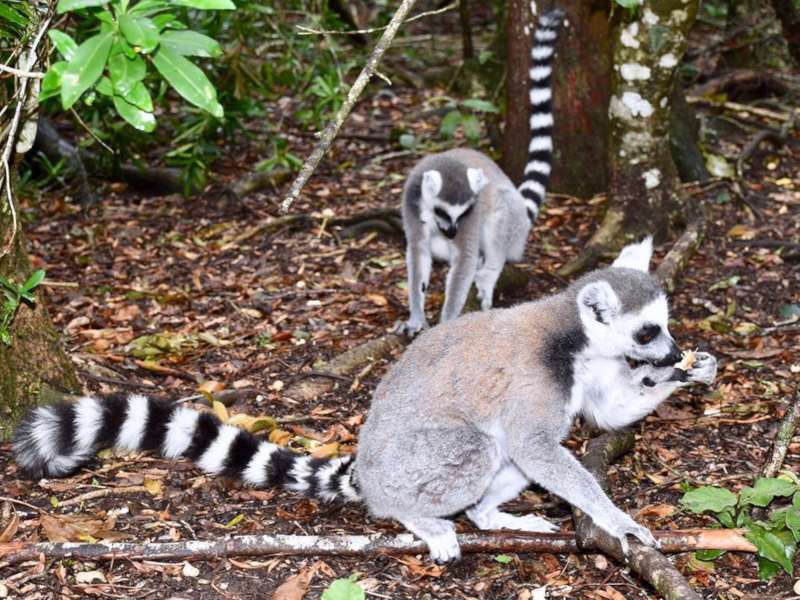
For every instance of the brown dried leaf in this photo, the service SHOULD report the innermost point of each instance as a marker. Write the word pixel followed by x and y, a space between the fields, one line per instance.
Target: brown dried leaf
pixel 11 529
pixel 296 587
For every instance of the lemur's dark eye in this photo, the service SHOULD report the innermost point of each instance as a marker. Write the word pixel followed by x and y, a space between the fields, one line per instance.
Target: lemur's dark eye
pixel 647 334
pixel 442 214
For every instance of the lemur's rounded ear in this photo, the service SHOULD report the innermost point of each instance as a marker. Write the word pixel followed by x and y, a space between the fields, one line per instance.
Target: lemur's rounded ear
pixel 477 180
pixel 636 256
pixel 431 183
pixel 597 301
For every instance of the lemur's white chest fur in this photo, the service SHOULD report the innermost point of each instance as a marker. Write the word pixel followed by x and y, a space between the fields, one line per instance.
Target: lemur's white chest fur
pixel 600 390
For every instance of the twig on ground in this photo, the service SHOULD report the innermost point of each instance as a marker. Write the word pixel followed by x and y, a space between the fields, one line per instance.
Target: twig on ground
pixel 737 107
pixel 783 437
pixel 649 563
pixel 777 137
pixel 360 83
pixel 102 493
pixel 348 545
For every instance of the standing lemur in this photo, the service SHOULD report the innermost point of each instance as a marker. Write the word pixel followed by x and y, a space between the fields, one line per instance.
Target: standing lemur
pixel 459 206
pixel 472 413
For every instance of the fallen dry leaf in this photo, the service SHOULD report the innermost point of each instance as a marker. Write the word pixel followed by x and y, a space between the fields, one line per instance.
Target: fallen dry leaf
pixel 296 587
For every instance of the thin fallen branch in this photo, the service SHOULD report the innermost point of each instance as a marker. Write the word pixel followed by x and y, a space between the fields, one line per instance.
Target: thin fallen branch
pixel 348 545
pixel 649 563
pixel 260 180
pixel 315 384
pixel 786 431
pixel 777 137
pixel 352 96
pixel 303 30
pixel 676 259
pixel 103 492
pixel 783 117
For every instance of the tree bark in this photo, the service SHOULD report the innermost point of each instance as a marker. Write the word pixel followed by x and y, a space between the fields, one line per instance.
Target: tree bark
pixel 644 179
pixel 33 365
pixel 789 15
pixel 581 90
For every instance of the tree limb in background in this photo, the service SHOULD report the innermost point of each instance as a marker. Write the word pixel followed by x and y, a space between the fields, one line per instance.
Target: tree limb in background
pixel 649 563
pixel 349 545
pixel 333 127
pixel 783 437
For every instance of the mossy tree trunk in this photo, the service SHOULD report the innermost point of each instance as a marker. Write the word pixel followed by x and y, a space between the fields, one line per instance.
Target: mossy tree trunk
pixel 33 366
pixel 643 187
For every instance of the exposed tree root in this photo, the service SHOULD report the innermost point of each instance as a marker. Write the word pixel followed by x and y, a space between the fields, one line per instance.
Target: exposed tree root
pixel 786 431
pixel 676 259
pixel 606 239
pixel 649 563
pixel 349 545
pixel 256 181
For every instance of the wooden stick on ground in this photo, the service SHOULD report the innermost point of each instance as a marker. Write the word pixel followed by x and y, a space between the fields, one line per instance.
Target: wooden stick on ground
pixel 786 431
pixel 348 545
pixel 677 258
pixel 649 563
pixel 327 137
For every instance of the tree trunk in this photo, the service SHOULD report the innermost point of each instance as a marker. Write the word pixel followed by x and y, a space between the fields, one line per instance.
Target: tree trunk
pixel 518 60
pixel 643 177
pixel 33 365
pixel 788 12
pixel 581 89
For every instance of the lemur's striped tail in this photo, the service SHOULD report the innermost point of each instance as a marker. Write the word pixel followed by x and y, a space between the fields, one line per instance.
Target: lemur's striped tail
pixel 540 148
pixel 56 440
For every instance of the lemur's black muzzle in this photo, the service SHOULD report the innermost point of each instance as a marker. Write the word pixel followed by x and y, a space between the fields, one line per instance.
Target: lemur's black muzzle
pixel 449 232
pixel 670 359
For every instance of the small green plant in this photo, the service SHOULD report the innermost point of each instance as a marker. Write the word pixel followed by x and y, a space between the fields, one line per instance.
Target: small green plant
pixel 775 536
pixel 15 296
pixel 281 157
pixel 344 589
pixel 465 116
pixel 129 39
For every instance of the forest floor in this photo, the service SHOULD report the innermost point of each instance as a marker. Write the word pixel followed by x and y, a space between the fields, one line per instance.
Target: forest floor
pixel 256 313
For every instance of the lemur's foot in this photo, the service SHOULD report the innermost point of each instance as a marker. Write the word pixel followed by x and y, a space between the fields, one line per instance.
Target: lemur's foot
pixel 410 328
pixel 623 525
pixel 704 369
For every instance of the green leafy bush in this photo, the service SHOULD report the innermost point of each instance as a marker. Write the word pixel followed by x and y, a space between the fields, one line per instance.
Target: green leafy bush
pixel 775 537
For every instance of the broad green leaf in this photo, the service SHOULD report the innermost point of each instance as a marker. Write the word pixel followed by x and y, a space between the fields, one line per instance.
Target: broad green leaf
pixel 472 127
pixel 765 491
pixel 480 105
pixel 709 498
pixel 191 43
pixel 168 20
pixel 51 83
pixel 796 500
pixel 68 5
pixel 777 546
pixel 450 123
pixel 140 32
pixel 12 15
pixel 726 518
pixel 767 569
pixel 65 45
pixel 629 4
pixel 206 4
pixel 85 67
pixel 141 120
pixel 344 589
pixel 189 81
pixel 140 97
pixel 708 555
pixel 792 517
pixel 104 87
pixel 106 17
pixel 148 7
pixel 126 73
pixel 34 280
pixel 503 559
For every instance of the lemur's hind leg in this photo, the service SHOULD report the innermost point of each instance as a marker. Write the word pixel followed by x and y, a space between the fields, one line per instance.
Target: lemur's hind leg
pixel 438 534
pixel 419 259
pixel 487 275
pixel 506 485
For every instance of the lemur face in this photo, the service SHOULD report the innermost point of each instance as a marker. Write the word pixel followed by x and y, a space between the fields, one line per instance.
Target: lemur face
pixel 624 312
pixel 450 203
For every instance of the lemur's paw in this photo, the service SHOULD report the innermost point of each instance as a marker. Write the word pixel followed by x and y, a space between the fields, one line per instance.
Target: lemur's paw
pixel 410 328
pixel 625 526
pixel 444 548
pixel 704 369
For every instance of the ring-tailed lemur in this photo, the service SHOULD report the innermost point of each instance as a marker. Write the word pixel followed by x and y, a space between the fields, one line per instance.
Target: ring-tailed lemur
pixel 472 413
pixel 459 206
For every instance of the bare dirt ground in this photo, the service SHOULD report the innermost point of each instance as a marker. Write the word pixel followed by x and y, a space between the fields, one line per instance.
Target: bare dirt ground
pixel 256 314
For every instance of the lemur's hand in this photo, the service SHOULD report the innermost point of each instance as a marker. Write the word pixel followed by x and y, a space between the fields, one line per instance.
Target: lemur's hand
pixel 410 328
pixel 704 369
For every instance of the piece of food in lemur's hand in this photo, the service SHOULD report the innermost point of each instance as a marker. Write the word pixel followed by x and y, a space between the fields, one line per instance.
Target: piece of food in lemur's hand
pixel 688 358
pixel 459 207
